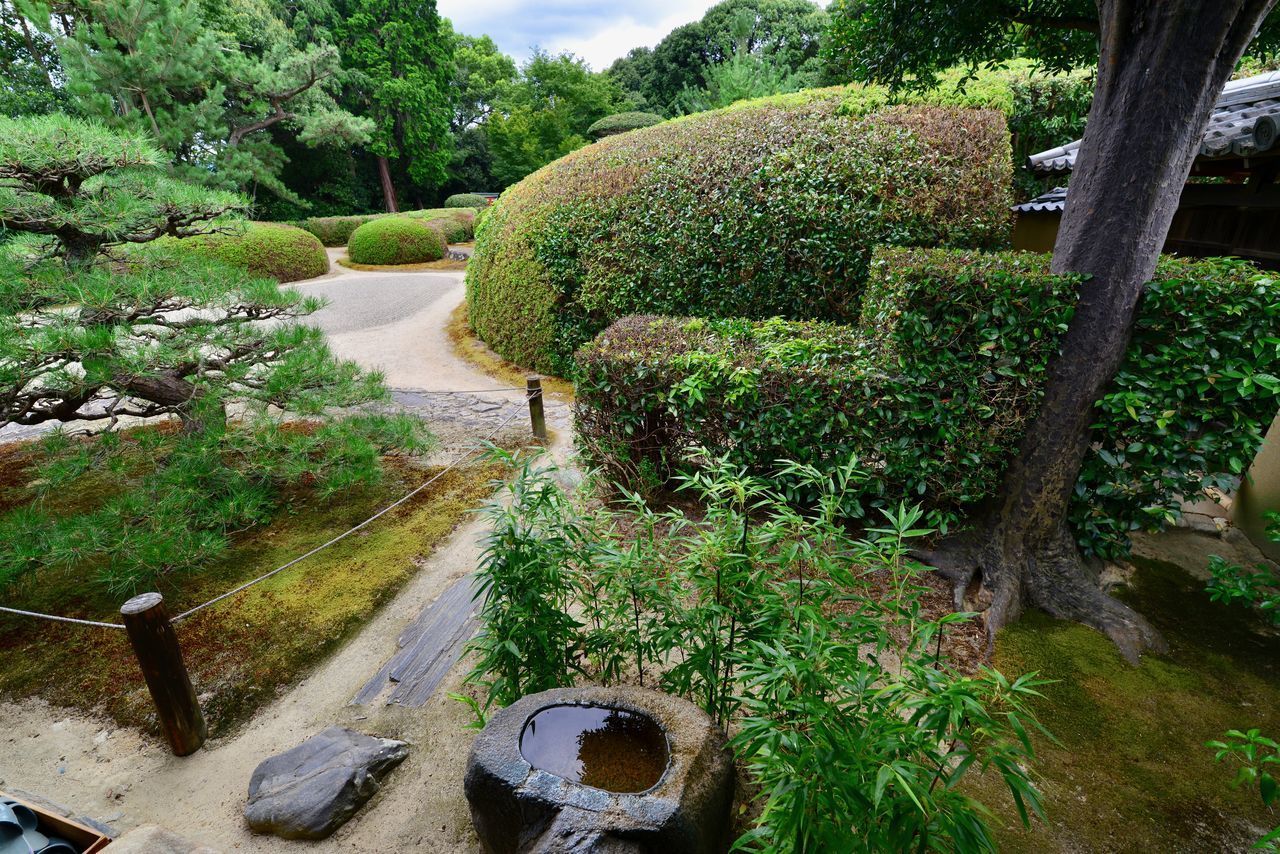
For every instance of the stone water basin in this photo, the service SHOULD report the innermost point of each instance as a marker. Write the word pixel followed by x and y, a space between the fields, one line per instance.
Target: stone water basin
pixel 601 770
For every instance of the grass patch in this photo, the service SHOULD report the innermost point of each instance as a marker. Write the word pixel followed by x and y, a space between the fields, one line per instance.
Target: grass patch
pixel 1132 772
pixel 243 652
pixel 424 267
pixel 468 347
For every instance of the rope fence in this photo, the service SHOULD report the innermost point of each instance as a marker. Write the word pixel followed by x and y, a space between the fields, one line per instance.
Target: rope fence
pixel 151 630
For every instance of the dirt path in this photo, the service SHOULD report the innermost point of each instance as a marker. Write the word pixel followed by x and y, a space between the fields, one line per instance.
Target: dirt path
pixel 396 323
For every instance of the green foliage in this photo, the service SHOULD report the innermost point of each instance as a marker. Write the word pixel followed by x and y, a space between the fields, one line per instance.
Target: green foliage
pixel 177 335
pixel 27 55
pixel 1259 760
pixel 621 123
pixel 787 31
pixel 336 230
pixel 403 53
pixel 205 83
pixel 935 386
pixel 466 200
pixel 853 729
pixel 453 229
pixel 546 114
pixel 81 188
pixel 395 240
pixel 269 249
pixel 1258 587
pixel 768 208
pixel 743 74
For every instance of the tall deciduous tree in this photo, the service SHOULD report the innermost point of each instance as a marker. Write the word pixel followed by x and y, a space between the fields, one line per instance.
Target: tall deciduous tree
pixel 403 53
pixel 1161 67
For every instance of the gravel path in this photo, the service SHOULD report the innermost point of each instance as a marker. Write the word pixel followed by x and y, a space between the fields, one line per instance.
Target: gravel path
pixel 395 323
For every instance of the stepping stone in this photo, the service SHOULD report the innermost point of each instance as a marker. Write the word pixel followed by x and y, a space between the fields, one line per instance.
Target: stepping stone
pixel 310 791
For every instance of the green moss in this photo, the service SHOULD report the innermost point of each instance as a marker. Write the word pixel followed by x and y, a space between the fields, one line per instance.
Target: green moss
pixel 240 653
pixel 270 249
pixel 1131 772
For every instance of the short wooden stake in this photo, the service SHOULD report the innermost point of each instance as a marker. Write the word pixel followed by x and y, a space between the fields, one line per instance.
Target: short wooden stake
pixel 537 417
pixel 156 645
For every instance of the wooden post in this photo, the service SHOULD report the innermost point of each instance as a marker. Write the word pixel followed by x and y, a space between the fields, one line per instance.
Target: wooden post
pixel 156 645
pixel 536 416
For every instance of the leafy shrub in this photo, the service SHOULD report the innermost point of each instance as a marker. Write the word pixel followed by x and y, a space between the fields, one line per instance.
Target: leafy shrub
pixel 1259 759
pixel 336 230
pixel 933 389
pixel 466 200
pixel 1258 586
pixel 767 208
pixel 271 249
pixel 621 123
pixel 395 240
pixel 853 728
pixel 453 229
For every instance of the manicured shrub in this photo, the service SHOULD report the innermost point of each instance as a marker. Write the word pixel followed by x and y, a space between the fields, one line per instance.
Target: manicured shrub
pixel 271 249
pixel 466 200
pixel 621 123
pixel 933 389
pixel 766 208
pixel 395 240
pixel 454 229
pixel 336 230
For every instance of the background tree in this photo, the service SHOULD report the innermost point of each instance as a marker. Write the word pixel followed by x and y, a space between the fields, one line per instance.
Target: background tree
pixel 205 81
pixel 28 61
pixel 403 53
pixel 546 114
pixel 744 74
pixel 1161 67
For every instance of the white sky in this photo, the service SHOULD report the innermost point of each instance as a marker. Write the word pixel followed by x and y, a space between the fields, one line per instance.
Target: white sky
pixel 599 31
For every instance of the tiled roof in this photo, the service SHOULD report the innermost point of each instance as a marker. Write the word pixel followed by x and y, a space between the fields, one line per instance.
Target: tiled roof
pixel 1054 200
pixel 1244 122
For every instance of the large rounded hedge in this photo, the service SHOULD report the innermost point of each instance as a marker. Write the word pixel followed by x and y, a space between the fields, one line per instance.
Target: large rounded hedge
pixel 466 200
pixel 622 123
pixel 768 208
pixel 271 249
pixel 395 240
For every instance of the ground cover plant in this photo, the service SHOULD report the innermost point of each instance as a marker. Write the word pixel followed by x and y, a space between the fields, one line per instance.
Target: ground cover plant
pixel 934 388
pixel 768 208
pixel 395 240
pixel 810 645
pixel 243 652
pixel 269 249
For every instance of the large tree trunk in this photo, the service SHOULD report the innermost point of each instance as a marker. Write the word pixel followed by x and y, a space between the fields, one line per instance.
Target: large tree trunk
pixel 1162 67
pixel 388 186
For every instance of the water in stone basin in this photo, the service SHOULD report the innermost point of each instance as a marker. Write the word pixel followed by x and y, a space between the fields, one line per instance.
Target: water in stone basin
pixel 610 749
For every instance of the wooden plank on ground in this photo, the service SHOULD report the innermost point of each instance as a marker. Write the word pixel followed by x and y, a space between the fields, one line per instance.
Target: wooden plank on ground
pixel 428 649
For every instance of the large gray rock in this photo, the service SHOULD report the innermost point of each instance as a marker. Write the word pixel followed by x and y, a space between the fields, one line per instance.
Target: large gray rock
pixel 310 791
pixel 518 808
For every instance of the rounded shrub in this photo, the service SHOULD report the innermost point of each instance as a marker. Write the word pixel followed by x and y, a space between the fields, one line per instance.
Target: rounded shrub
pixel 395 240
pixel 271 249
pixel 453 229
pixel 768 208
pixel 466 200
pixel 621 123
pixel 336 230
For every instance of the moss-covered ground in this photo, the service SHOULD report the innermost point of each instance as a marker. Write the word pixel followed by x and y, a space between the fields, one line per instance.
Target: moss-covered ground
pixel 242 652
pixel 1131 771
pixel 468 347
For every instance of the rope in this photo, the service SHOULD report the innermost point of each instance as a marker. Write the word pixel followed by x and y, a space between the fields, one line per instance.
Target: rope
pixel 55 619
pixel 384 511
pixel 462 391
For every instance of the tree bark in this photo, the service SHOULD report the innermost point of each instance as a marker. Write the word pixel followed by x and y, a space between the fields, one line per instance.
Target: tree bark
pixel 388 186
pixel 1162 66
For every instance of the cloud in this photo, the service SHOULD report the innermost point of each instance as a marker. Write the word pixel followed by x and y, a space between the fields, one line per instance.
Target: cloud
pixel 596 30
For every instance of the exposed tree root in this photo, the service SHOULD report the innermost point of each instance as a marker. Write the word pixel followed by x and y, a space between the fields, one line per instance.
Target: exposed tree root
pixel 996 575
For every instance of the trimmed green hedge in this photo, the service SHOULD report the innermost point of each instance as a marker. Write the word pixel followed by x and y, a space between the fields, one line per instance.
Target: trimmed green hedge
pixel 337 230
pixel 466 200
pixel 934 387
pixel 621 123
pixel 766 208
pixel 395 240
pixel 271 249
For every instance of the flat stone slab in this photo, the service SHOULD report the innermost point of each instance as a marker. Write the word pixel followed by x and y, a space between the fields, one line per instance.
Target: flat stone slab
pixel 149 839
pixel 308 792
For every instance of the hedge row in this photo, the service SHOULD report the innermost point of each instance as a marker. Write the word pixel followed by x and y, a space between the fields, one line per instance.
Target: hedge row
pixel 337 230
pixel 396 240
pixel 622 123
pixel 767 208
pixel 271 249
pixel 466 200
pixel 933 388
